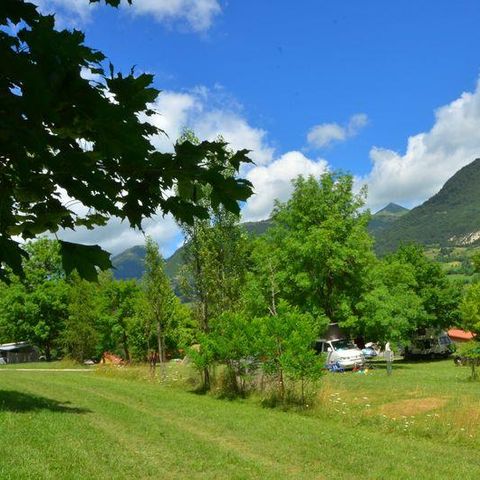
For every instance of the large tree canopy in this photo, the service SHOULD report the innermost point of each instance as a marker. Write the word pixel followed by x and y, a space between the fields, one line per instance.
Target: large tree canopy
pixel 67 139
pixel 321 245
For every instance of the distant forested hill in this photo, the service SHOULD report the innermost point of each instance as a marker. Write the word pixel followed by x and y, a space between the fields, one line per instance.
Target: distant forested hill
pixel 385 217
pixel 449 218
pixel 129 263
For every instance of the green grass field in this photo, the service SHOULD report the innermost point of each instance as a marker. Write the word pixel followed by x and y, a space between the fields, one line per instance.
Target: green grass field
pixel 423 422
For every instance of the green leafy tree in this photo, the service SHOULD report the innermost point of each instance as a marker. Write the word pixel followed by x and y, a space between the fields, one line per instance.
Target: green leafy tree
pixel 233 341
pixel 476 262
pixel 405 292
pixel 470 309
pixel 160 301
pixel 216 256
pixel 36 308
pixel 142 334
pixel 440 297
pixel 262 291
pixel 80 337
pixel 15 311
pixel 322 246
pixel 285 343
pixel 67 139
pixel 470 316
pixel 390 310
pixel 118 306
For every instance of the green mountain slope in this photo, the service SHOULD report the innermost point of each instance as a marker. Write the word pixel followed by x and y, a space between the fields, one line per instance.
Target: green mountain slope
pixel 449 218
pixel 385 217
pixel 129 263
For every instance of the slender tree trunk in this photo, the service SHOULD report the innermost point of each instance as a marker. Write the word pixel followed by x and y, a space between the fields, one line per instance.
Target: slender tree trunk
pixel 281 383
pixel 48 353
pixel 206 378
pixel 125 346
pixel 161 351
pixel 303 391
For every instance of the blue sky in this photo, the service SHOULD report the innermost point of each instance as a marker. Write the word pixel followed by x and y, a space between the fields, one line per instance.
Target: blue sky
pixel 388 90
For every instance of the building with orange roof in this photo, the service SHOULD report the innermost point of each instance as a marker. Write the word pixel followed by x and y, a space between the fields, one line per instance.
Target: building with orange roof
pixel 460 336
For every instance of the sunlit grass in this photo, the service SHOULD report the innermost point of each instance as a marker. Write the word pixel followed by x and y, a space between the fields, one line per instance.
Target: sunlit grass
pixel 121 422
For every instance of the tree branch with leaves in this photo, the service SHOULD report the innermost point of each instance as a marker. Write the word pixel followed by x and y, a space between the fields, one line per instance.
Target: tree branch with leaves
pixel 68 139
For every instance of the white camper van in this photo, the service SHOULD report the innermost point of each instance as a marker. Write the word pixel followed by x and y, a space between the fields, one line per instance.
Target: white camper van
pixel 429 344
pixel 342 352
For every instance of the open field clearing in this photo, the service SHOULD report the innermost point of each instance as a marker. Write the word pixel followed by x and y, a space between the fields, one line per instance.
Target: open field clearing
pixel 423 422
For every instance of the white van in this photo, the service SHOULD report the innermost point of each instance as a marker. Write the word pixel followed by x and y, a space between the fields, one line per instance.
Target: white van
pixel 342 352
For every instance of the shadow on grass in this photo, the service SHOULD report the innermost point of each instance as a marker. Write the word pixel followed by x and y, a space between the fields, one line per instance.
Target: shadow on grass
pixel 422 361
pixel 13 401
pixel 404 363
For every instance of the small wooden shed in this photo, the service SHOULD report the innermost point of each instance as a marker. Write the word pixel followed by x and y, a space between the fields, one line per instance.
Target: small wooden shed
pixel 20 352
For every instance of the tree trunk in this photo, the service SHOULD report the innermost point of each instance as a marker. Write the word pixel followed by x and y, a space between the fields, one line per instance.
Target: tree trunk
pixel 161 349
pixel 206 378
pixel 125 346
pixel 281 383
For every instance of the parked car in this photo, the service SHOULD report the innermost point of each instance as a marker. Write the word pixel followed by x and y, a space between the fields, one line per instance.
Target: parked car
pixel 341 352
pixel 369 352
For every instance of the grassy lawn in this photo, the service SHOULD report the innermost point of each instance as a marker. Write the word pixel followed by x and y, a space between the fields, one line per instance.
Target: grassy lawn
pixel 423 422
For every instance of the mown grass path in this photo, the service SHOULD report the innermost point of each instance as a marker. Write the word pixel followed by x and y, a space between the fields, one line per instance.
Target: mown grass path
pixel 83 426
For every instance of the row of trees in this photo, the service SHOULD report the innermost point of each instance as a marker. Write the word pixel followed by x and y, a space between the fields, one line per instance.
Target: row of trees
pixel 265 300
pixel 251 301
pixel 71 316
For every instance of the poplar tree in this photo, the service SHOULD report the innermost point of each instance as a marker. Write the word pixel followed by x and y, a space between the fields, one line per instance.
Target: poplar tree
pixel 160 300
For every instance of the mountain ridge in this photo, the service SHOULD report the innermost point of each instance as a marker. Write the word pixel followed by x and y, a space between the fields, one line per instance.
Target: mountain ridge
pixel 451 217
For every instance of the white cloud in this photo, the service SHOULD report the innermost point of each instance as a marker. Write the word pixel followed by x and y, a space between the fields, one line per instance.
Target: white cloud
pixel 356 123
pixel 68 13
pixel 117 236
pixel 200 111
pixel 175 111
pixel 322 135
pixel 409 178
pixel 274 181
pixel 236 131
pixel 430 157
pixel 325 134
pixel 197 14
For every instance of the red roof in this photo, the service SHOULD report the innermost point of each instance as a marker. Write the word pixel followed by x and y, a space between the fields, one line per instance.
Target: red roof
pixel 457 334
